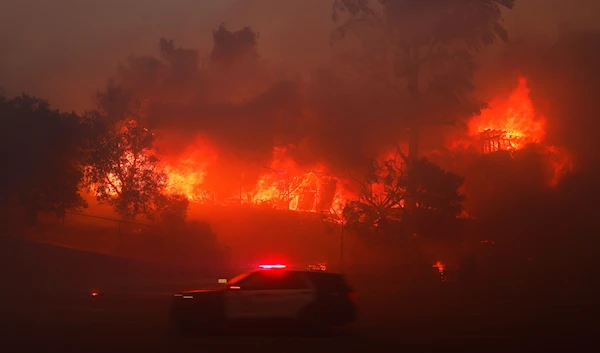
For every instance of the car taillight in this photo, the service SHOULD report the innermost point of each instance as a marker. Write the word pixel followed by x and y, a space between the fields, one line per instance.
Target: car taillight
pixel 352 296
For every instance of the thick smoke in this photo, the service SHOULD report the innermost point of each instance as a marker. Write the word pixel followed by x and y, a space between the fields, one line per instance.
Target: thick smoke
pixel 566 85
pixel 249 89
pixel 233 97
pixel 247 105
pixel 74 45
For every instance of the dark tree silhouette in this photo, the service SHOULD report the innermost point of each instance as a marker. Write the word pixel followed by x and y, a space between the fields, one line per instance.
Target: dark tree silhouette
pixel 422 51
pixel 184 63
pixel 234 46
pixel 171 211
pixel 40 153
pixel 116 104
pixel 381 211
pixel 123 169
pixel 437 198
pixel 237 71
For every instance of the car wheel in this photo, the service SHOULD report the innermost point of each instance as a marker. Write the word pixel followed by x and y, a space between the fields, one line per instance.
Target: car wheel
pixel 312 323
pixel 182 327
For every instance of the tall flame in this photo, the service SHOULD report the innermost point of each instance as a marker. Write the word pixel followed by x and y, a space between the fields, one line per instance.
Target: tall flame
pixel 515 118
pixel 512 123
pixel 282 184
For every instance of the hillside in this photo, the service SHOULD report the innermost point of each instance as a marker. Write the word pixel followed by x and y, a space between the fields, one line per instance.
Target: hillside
pixel 35 269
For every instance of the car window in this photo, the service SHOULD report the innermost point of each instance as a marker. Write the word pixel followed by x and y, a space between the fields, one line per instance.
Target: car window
pixel 328 282
pixel 255 281
pixel 292 280
pixel 237 279
pixel 273 280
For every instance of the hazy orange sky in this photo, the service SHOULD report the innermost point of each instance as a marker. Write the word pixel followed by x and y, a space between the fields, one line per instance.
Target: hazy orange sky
pixel 63 50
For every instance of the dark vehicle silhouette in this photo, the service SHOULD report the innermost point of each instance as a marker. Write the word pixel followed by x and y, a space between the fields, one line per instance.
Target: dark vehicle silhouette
pixel 271 296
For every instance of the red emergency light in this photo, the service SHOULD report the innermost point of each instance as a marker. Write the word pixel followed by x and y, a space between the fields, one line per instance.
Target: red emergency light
pixel 272 266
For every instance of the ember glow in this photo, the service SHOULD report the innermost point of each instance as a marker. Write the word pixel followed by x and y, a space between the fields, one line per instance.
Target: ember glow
pixel 439 265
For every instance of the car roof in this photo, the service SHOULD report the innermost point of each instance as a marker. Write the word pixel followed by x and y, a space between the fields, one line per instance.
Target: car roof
pixel 299 271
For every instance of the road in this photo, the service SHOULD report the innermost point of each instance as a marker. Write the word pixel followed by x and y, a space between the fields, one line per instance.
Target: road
pixel 137 322
pixel 45 306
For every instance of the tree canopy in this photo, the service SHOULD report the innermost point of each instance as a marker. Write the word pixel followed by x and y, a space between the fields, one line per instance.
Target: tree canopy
pixel 423 51
pixel 233 46
pixel 123 169
pixel 381 210
pixel 50 158
pixel 40 149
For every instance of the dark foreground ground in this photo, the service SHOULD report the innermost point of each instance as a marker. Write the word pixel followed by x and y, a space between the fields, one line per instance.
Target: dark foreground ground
pixel 136 322
pixel 36 318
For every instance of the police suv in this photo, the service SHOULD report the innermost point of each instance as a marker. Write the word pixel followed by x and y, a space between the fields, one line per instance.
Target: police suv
pixel 272 294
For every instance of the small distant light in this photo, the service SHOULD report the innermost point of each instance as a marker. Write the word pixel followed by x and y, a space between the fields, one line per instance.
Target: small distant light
pixel 272 266
pixel 318 267
pixel 94 294
pixel 188 297
pixel 222 280
pixel 234 287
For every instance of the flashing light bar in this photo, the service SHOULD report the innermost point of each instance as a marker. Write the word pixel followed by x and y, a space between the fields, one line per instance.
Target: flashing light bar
pixel 272 266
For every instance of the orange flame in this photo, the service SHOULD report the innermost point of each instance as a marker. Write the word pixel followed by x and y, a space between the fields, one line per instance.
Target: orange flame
pixel 508 124
pixel 511 124
pixel 439 265
pixel 282 184
pixel 515 118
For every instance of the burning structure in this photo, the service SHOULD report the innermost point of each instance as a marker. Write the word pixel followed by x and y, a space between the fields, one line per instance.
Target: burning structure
pixel 235 132
pixel 204 174
pixel 509 124
pixel 494 140
pixel 512 123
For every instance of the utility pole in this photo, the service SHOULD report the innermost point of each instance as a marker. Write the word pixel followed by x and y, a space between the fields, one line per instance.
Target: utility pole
pixel 342 248
pixel 340 216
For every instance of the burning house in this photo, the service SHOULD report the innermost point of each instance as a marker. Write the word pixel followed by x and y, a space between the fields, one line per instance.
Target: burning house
pixel 494 140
